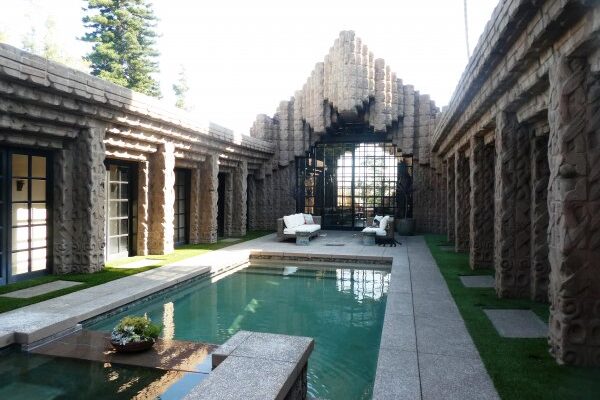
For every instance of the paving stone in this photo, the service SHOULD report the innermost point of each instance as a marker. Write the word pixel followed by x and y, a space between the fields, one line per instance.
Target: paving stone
pixel 517 323
pixel 446 337
pixel 445 377
pixel 478 281
pixel 41 289
pixel 397 375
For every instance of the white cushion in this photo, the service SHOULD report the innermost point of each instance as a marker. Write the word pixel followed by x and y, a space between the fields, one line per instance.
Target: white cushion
pixel 308 228
pixel 300 219
pixel 302 228
pixel 383 223
pixel 288 220
pixel 378 231
pixel 308 219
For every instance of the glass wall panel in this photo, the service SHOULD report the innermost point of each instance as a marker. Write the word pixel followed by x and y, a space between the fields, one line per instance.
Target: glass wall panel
pixel 182 183
pixel 346 183
pixel 28 214
pixel 118 219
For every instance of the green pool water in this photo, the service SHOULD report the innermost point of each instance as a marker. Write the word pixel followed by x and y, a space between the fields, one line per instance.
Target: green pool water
pixel 342 309
pixel 35 377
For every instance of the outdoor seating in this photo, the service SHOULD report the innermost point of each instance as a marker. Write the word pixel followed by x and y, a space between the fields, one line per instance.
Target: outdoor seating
pixel 288 226
pixel 384 229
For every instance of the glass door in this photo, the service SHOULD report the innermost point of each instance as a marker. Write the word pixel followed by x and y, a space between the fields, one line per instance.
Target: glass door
pixel 346 183
pixel 182 185
pixel 28 215
pixel 118 221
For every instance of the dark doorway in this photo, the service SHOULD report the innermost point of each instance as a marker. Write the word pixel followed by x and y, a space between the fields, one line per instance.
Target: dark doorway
pixel 221 205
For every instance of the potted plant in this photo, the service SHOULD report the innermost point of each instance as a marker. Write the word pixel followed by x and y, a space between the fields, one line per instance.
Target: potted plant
pixel 134 334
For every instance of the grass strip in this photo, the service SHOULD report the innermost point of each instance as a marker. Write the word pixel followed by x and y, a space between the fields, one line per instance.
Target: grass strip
pixel 520 368
pixel 111 272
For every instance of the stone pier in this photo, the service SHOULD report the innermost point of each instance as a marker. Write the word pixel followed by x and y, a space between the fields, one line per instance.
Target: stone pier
pixel 196 190
pixel 574 201
pixel 480 218
pixel 162 198
pixel 240 193
pixel 209 182
pixel 450 199
pixel 461 200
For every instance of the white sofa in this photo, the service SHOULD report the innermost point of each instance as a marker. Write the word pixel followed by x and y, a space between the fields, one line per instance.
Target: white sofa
pixel 290 224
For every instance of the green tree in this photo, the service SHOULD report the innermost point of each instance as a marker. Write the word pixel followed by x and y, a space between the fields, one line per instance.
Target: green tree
pixel 29 41
pixel 51 48
pixel 181 88
pixel 124 35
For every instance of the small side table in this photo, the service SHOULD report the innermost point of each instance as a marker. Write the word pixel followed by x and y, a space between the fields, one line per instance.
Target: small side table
pixel 303 238
pixel 368 238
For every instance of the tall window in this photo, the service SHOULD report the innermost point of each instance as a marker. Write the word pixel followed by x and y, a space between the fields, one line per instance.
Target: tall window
pixel 346 183
pixel 24 218
pixel 182 185
pixel 118 221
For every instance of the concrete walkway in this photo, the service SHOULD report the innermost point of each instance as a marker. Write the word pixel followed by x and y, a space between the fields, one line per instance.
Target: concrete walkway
pixel 425 353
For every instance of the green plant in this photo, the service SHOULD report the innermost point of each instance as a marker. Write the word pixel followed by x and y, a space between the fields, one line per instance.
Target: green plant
pixel 133 329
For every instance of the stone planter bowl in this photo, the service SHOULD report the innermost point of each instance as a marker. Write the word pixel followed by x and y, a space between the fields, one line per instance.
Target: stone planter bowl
pixel 405 226
pixel 132 347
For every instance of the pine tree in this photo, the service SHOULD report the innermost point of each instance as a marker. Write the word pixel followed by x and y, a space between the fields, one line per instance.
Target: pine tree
pixel 181 88
pixel 124 35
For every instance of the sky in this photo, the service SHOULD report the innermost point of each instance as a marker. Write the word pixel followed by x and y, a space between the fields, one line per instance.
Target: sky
pixel 243 57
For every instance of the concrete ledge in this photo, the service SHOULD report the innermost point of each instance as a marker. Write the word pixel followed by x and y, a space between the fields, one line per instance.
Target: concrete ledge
pixel 259 366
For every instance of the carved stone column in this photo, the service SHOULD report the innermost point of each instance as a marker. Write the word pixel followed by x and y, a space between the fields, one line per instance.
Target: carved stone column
pixel 512 221
pixel 162 198
pixel 450 196
pixel 461 200
pixel 209 195
pixel 540 266
pixel 480 240
pixel 240 193
pixel 79 203
pixel 574 204
pixel 195 205
pixel 252 203
pixel 143 208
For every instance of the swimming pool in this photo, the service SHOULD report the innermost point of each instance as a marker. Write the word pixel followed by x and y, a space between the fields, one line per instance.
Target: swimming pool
pixel 341 308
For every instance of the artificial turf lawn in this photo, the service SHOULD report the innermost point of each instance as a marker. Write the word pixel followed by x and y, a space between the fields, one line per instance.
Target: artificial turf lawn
pixel 520 368
pixel 110 273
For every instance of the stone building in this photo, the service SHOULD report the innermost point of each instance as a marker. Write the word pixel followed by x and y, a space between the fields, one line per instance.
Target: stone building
pixel 91 171
pixel 510 171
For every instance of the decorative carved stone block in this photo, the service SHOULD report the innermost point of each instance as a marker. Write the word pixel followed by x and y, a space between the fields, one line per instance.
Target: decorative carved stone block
pixel 574 216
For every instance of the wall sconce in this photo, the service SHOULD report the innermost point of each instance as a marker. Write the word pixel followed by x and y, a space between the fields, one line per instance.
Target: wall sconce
pixel 20 184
